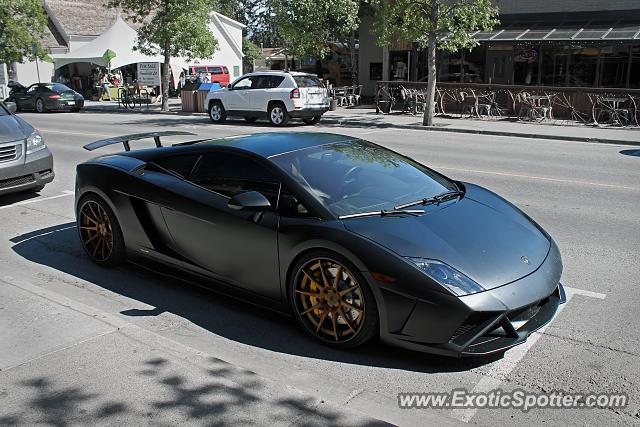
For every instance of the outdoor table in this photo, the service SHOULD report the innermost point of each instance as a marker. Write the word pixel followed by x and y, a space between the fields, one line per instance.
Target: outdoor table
pixel 536 103
pixel 612 105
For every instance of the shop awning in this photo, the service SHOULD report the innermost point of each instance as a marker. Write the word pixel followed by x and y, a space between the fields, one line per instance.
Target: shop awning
pixel 543 31
pixel 119 39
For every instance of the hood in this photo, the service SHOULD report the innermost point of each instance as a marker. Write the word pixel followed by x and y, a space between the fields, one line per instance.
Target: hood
pixel 481 235
pixel 13 128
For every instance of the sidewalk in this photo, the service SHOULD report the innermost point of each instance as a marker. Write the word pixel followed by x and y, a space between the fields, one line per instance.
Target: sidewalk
pixel 63 363
pixel 366 117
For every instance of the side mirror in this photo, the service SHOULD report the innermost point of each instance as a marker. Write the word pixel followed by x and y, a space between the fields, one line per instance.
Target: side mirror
pixel 251 200
pixel 229 86
pixel 11 106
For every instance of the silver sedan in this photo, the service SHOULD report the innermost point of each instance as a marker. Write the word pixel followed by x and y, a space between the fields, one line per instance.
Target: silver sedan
pixel 26 164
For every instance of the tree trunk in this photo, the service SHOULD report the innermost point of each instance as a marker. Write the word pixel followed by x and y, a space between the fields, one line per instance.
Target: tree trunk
pixel 430 106
pixel 352 51
pixel 166 77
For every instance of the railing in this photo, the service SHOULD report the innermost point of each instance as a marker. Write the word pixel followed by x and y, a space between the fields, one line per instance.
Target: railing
pixel 593 106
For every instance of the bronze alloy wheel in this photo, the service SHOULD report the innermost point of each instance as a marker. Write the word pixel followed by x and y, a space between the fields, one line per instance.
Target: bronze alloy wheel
pixel 329 300
pixel 96 231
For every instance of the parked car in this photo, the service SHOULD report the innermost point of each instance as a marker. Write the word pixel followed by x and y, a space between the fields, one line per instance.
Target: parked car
pixel 277 96
pixel 43 97
pixel 353 239
pixel 25 161
pixel 217 73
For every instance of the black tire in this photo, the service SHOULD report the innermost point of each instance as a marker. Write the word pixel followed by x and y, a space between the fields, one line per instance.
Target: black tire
pixel 278 115
pixel 313 120
pixel 251 119
pixel 111 251
pixel 350 333
pixel 217 113
pixel 40 107
pixel 75 110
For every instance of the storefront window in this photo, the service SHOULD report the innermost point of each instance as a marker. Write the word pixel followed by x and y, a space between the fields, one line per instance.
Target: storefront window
pixel 634 75
pixel 554 66
pixel 526 61
pixel 399 62
pixel 582 68
pixel 615 60
pixel 462 66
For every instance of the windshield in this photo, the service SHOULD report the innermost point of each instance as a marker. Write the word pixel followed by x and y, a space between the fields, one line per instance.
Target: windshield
pixel 357 176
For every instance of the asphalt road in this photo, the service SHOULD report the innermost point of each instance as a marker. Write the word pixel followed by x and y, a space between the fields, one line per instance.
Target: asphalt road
pixel 586 195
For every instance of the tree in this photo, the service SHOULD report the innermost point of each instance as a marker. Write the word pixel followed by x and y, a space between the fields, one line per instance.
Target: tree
pixel 306 26
pixel 250 52
pixel 171 28
pixel 22 25
pixel 434 24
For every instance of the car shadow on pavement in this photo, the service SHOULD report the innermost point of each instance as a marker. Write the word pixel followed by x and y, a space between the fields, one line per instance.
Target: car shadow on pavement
pixel 58 247
pixel 9 199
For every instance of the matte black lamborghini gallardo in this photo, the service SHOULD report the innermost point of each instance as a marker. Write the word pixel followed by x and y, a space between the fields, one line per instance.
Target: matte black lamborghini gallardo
pixel 355 240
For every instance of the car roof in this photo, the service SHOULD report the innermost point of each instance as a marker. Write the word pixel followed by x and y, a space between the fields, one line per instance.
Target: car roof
pixel 278 73
pixel 271 144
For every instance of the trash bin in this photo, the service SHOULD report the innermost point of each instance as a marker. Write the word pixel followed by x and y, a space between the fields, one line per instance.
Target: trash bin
pixel 201 95
pixel 333 105
pixel 188 97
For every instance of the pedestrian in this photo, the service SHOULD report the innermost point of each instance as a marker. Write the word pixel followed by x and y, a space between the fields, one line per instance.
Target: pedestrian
pixel 105 87
pixel 199 78
pixel 181 83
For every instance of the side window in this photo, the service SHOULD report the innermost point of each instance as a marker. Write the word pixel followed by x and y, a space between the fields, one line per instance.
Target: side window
pixel 215 70
pixel 181 165
pixel 245 83
pixel 32 89
pixel 231 174
pixel 274 81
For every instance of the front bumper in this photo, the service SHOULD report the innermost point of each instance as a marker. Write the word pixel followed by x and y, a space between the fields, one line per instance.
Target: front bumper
pixel 487 322
pixel 26 171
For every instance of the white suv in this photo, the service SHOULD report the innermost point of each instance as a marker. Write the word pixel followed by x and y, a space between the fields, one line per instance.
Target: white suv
pixel 276 95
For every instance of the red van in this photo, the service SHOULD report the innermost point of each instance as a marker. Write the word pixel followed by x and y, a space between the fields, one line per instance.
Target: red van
pixel 217 73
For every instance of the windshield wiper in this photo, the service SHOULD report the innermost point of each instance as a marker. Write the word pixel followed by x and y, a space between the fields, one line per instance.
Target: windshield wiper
pixel 384 212
pixel 433 200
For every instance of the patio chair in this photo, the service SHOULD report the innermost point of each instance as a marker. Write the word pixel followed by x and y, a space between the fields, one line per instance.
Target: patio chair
pixel 357 94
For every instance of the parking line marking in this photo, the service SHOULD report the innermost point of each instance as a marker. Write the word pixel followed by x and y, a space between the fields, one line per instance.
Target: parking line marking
pixel 28 202
pixel 502 368
pixel 542 178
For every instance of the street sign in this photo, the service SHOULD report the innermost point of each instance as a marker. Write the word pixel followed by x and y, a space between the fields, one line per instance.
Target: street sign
pixel 149 73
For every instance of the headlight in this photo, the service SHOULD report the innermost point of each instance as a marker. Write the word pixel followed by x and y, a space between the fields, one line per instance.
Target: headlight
pixel 447 276
pixel 35 142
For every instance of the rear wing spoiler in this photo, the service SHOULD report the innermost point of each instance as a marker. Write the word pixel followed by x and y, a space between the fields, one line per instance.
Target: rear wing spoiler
pixel 124 139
